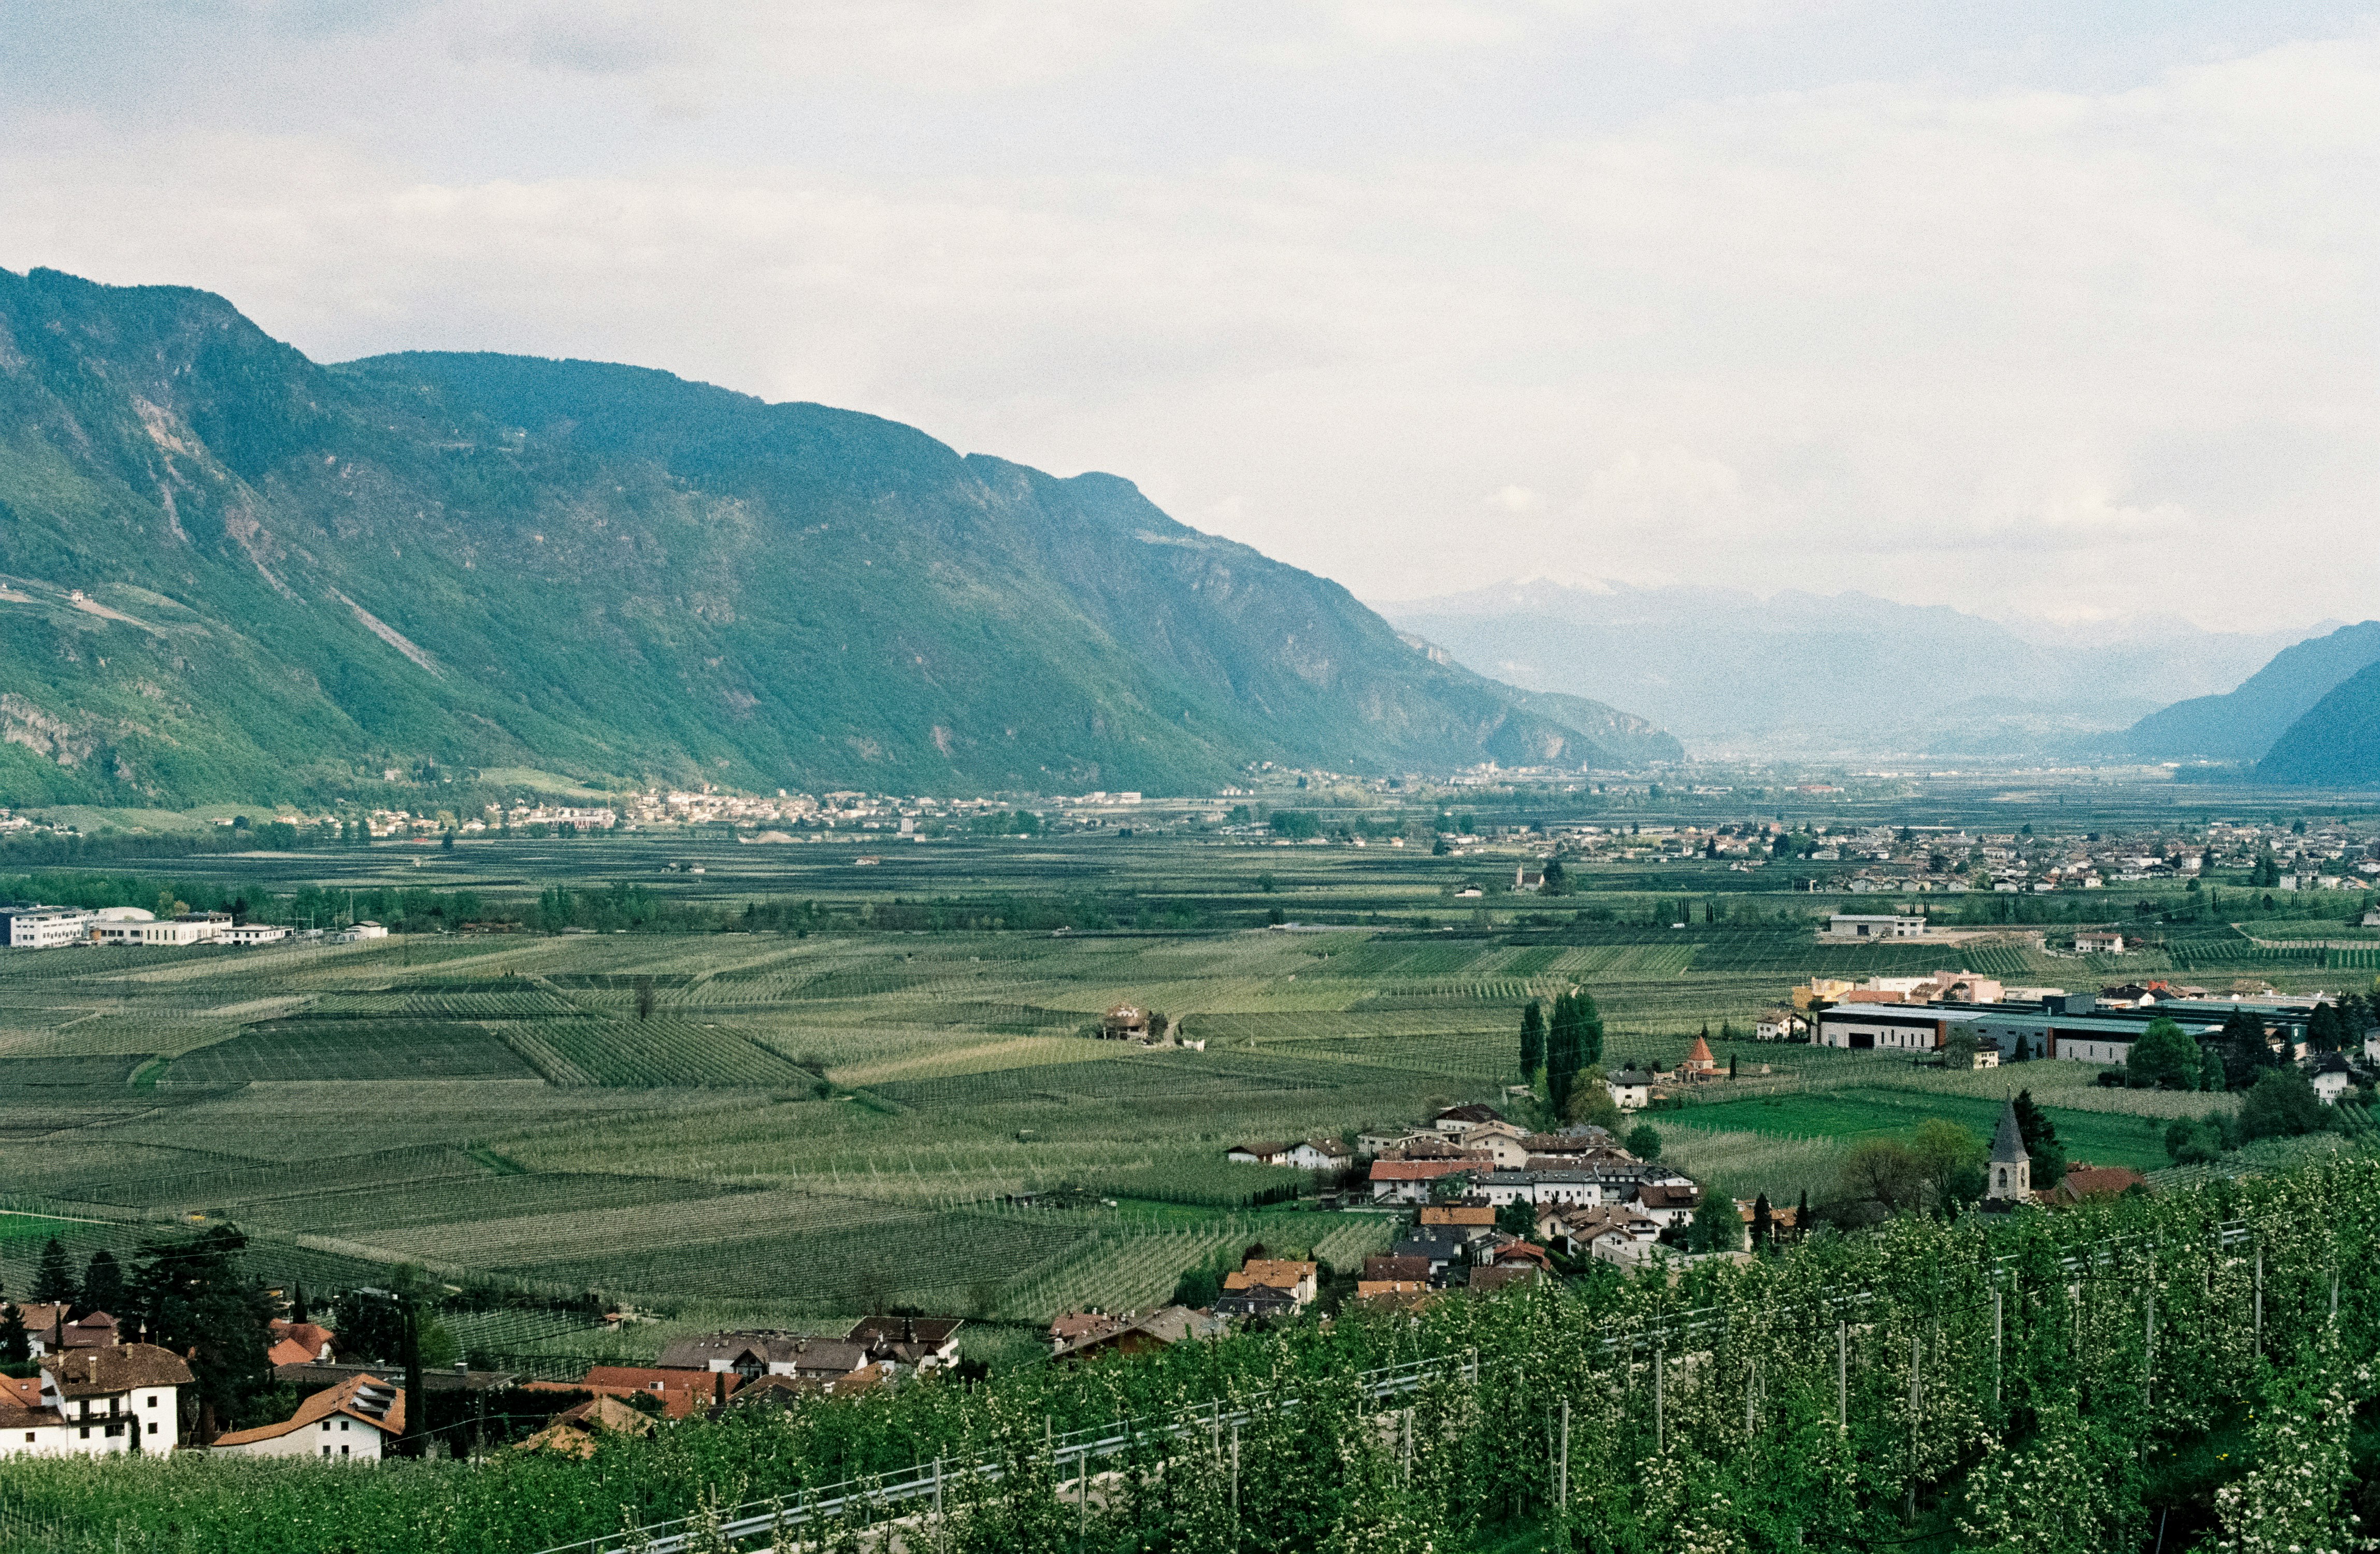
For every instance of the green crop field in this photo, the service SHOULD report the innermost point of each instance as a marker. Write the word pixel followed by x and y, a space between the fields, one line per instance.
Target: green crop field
pixel 799 1123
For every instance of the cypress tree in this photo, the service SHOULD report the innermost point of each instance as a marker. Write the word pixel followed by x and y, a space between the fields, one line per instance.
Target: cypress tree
pixel 1590 1028
pixel 1532 1039
pixel 1763 1223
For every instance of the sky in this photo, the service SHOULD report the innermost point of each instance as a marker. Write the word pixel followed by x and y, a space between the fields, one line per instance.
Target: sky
pixel 2035 309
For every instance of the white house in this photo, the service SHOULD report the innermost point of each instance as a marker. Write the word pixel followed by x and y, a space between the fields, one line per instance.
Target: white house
pixel 1320 1154
pixel 27 1427
pixel 2332 1079
pixel 369 929
pixel 1847 924
pixel 1780 1025
pixel 350 1422
pixel 116 1400
pixel 1260 1152
pixel 1631 1088
pixel 2098 942
pixel 247 934
pixel 28 927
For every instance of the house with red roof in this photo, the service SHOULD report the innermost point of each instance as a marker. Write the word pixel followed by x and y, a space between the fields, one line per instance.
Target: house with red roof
pixel 353 1421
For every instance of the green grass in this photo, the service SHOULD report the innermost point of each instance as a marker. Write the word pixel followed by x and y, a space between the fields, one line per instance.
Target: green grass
pixel 2103 1138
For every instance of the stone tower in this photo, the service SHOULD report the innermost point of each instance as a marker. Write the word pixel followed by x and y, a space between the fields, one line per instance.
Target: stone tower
pixel 2010 1170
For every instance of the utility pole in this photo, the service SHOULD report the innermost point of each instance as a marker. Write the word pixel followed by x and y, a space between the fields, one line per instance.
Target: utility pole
pixel 417 1442
pixel 1999 1362
pixel 1661 1425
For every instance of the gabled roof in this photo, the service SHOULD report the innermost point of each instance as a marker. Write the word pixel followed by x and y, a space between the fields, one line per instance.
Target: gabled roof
pixel 363 1398
pixel 93 1373
pixel 1476 1113
pixel 1420 1170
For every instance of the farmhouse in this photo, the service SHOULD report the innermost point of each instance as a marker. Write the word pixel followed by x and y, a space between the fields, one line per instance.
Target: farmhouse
pixel 116 1400
pixel 1409 1181
pixel 1632 1088
pixel 1159 1330
pixel 353 1420
pixel 27 1427
pixel 1263 1151
pixel 2099 941
pixel 751 1354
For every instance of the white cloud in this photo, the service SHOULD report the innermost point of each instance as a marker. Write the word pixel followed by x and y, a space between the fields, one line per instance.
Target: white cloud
pixel 1930 336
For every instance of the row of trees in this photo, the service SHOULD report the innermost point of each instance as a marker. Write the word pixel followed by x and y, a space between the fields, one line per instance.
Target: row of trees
pixel 1564 1048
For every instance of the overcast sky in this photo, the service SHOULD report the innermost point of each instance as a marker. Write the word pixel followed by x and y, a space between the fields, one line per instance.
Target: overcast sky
pixel 2034 308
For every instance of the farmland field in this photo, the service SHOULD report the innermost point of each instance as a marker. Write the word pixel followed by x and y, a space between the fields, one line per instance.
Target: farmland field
pixel 796 1124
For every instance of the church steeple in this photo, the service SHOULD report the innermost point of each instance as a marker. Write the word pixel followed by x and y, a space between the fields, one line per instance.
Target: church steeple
pixel 2010 1169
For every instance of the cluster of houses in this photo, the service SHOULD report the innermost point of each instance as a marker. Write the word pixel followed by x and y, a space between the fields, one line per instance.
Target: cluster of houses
pixel 100 1394
pixel 31 926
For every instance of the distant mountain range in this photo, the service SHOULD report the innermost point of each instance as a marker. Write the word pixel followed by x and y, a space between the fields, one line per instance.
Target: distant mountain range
pixel 1808 674
pixel 235 573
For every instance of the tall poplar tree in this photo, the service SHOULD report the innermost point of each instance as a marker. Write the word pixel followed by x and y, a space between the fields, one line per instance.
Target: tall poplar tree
pixel 1533 1040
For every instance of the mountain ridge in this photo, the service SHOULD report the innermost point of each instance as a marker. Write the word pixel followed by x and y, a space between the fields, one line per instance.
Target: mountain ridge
pixel 2241 724
pixel 240 573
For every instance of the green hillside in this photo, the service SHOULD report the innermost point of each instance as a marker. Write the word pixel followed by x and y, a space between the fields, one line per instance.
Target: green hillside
pixel 232 571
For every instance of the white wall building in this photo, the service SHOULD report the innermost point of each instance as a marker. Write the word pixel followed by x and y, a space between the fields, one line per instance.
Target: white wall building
pixel 350 1422
pixel 28 927
pixel 1855 926
pixel 116 1400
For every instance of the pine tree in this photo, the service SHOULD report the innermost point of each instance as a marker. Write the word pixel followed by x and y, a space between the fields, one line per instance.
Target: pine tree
pixel 1763 1223
pixel 1532 1039
pixel 53 1278
pixel 103 1284
pixel 1801 1215
pixel 14 1347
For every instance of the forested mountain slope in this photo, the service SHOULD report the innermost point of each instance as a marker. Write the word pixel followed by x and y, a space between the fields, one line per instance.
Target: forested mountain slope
pixel 2337 744
pixel 2241 724
pixel 233 572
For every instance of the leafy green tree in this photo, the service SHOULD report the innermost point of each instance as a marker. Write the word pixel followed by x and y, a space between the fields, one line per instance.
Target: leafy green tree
pixel 16 1347
pixel 194 1299
pixel 2210 1067
pixel 54 1275
pixel 1879 1179
pixel 1645 1142
pixel 1953 1162
pixel 1715 1227
pixel 1591 1102
pixel 103 1284
pixel 1533 1040
pixel 2165 1057
pixel 1518 1217
pixel 1557 879
pixel 2193 1141
pixel 2282 1105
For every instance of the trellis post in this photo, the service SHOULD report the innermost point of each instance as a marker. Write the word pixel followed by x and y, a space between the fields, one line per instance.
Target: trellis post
pixel 2260 1297
pixel 1843 1377
pixel 1999 1362
pixel 1563 1483
pixel 1661 1425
